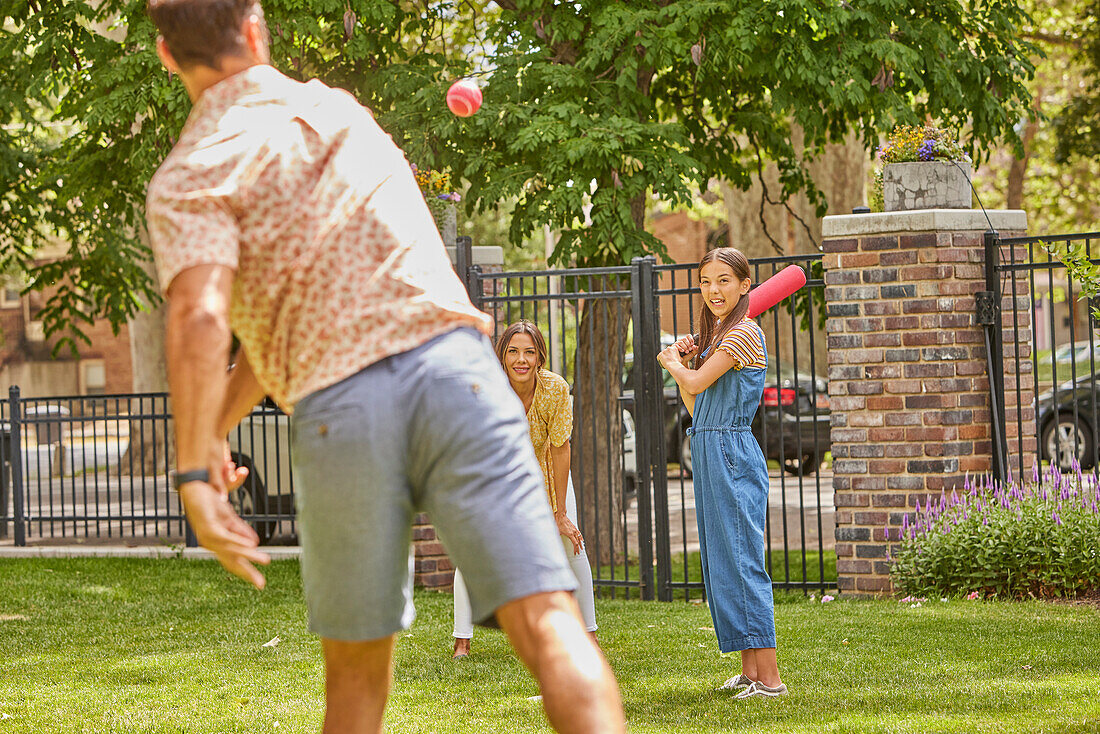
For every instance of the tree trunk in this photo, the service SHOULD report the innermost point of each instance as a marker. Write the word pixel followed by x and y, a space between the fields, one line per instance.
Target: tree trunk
pixel 1017 172
pixel 151 445
pixel 597 423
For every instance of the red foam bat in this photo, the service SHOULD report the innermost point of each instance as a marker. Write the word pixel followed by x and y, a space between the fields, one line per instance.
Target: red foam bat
pixel 775 289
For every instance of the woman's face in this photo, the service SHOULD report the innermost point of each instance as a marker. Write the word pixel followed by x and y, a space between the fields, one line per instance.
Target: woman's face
pixel 521 359
pixel 721 288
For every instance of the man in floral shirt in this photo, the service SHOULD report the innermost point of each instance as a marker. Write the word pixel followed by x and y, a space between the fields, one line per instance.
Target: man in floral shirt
pixel 285 214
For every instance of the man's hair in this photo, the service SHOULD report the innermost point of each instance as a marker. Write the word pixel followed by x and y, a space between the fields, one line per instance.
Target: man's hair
pixel 202 32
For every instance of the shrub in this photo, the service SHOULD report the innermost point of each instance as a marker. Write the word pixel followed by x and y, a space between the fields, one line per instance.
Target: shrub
pixel 1038 539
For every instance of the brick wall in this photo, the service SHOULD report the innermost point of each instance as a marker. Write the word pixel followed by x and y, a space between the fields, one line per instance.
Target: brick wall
pixel 907 372
pixel 433 569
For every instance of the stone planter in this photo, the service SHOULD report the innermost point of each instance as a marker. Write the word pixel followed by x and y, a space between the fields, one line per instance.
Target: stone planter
pixel 926 185
pixel 445 214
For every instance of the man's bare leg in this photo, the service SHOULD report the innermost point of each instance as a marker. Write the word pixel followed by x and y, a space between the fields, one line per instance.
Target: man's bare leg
pixel 579 691
pixel 357 683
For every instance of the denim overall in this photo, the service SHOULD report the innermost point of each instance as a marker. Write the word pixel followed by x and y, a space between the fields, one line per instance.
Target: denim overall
pixel 731 506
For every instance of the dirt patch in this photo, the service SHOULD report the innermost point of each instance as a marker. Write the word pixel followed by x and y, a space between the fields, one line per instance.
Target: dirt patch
pixel 1091 599
pixel 12 618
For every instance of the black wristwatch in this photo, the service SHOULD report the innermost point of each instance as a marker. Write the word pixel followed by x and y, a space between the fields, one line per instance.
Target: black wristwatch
pixel 195 475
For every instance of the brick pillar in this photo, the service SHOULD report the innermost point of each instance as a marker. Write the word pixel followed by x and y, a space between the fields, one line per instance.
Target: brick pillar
pixel 907 371
pixel 432 569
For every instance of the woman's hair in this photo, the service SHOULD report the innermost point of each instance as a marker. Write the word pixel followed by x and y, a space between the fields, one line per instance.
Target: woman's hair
pixel 523 327
pixel 710 333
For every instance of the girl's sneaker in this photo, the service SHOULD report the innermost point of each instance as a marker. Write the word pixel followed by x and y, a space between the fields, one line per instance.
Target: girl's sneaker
pixel 759 689
pixel 736 683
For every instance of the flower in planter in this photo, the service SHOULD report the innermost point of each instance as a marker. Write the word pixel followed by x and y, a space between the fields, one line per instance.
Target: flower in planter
pixel 909 144
pixel 436 187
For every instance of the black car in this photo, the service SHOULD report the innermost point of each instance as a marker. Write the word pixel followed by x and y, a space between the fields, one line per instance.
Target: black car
pixel 1068 420
pixel 786 425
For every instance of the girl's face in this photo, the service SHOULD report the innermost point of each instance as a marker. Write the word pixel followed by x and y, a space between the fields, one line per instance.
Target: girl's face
pixel 721 288
pixel 521 359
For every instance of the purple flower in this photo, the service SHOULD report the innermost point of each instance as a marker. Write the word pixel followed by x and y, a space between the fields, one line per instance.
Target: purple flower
pixel 927 150
pixel 1054 516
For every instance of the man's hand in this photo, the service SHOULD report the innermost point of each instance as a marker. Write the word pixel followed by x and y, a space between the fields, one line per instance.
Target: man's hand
pixel 233 476
pixel 569 530
pixel 220 530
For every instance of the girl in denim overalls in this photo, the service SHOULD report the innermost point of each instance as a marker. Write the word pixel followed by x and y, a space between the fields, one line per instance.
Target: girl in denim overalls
pixel 731 476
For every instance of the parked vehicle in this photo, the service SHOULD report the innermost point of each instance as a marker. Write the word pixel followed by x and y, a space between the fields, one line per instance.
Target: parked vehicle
pixel 630 457
pixel 261 444
pixel 1067 422
pixel 786 425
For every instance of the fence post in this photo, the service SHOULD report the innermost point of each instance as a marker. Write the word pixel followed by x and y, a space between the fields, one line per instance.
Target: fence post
pixel 472 278
pixel 657 447
pixel 641 287
pixel 464 256
pixel 995 356
pixel 16 456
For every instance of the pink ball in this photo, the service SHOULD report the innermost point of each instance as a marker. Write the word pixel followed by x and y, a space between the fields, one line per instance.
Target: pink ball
pixel 464 98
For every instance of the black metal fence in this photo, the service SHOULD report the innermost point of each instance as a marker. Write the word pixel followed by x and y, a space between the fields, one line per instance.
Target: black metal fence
pixel 99 467
pixel 1044 353
pixel 631 458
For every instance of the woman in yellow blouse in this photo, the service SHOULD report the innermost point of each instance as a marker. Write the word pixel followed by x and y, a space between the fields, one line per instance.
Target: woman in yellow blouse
pixel 546 400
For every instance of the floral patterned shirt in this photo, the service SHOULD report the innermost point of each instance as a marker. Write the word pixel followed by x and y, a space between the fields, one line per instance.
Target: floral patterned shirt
pixel 550 418
pixel 297 189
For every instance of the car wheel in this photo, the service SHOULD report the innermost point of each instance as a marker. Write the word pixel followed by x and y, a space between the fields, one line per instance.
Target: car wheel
pixel 1064 440
pixel 807 464
pixel 250 500
pixel 685 455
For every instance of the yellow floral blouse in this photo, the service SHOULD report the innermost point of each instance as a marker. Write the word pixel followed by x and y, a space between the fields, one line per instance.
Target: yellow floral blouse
pixel 551 422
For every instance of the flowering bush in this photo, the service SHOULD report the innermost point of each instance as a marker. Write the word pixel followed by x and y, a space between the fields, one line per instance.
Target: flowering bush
pixel 908 144
pixel 436 187
pixel 1040 538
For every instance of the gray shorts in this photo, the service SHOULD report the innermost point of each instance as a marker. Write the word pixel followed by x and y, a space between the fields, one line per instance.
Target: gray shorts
pixel 436 429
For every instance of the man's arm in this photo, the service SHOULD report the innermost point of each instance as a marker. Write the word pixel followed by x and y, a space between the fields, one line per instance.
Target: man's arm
pixel 241 394
pixel 197 346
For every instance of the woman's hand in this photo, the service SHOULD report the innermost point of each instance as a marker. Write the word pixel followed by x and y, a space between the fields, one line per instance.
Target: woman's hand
pixel 567 529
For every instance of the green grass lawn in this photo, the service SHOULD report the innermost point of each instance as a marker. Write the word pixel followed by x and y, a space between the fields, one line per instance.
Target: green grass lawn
pixel 108 645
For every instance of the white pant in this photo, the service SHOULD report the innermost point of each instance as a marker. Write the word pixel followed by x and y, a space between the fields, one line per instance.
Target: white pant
pixel 464 624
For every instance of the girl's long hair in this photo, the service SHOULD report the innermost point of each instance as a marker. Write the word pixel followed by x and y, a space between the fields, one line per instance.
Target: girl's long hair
pixel 524 327
pixel 710 332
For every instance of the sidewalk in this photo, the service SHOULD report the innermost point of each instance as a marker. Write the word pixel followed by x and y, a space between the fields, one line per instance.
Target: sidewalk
pixel 146 551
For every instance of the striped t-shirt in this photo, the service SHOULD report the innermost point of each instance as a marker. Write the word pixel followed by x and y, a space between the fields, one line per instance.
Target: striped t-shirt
pixel 744 342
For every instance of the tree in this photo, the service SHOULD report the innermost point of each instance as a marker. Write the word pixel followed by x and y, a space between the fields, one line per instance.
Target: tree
pixel 1078 124
pixel 605 104
pixel 1061 193
pixel 612 104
